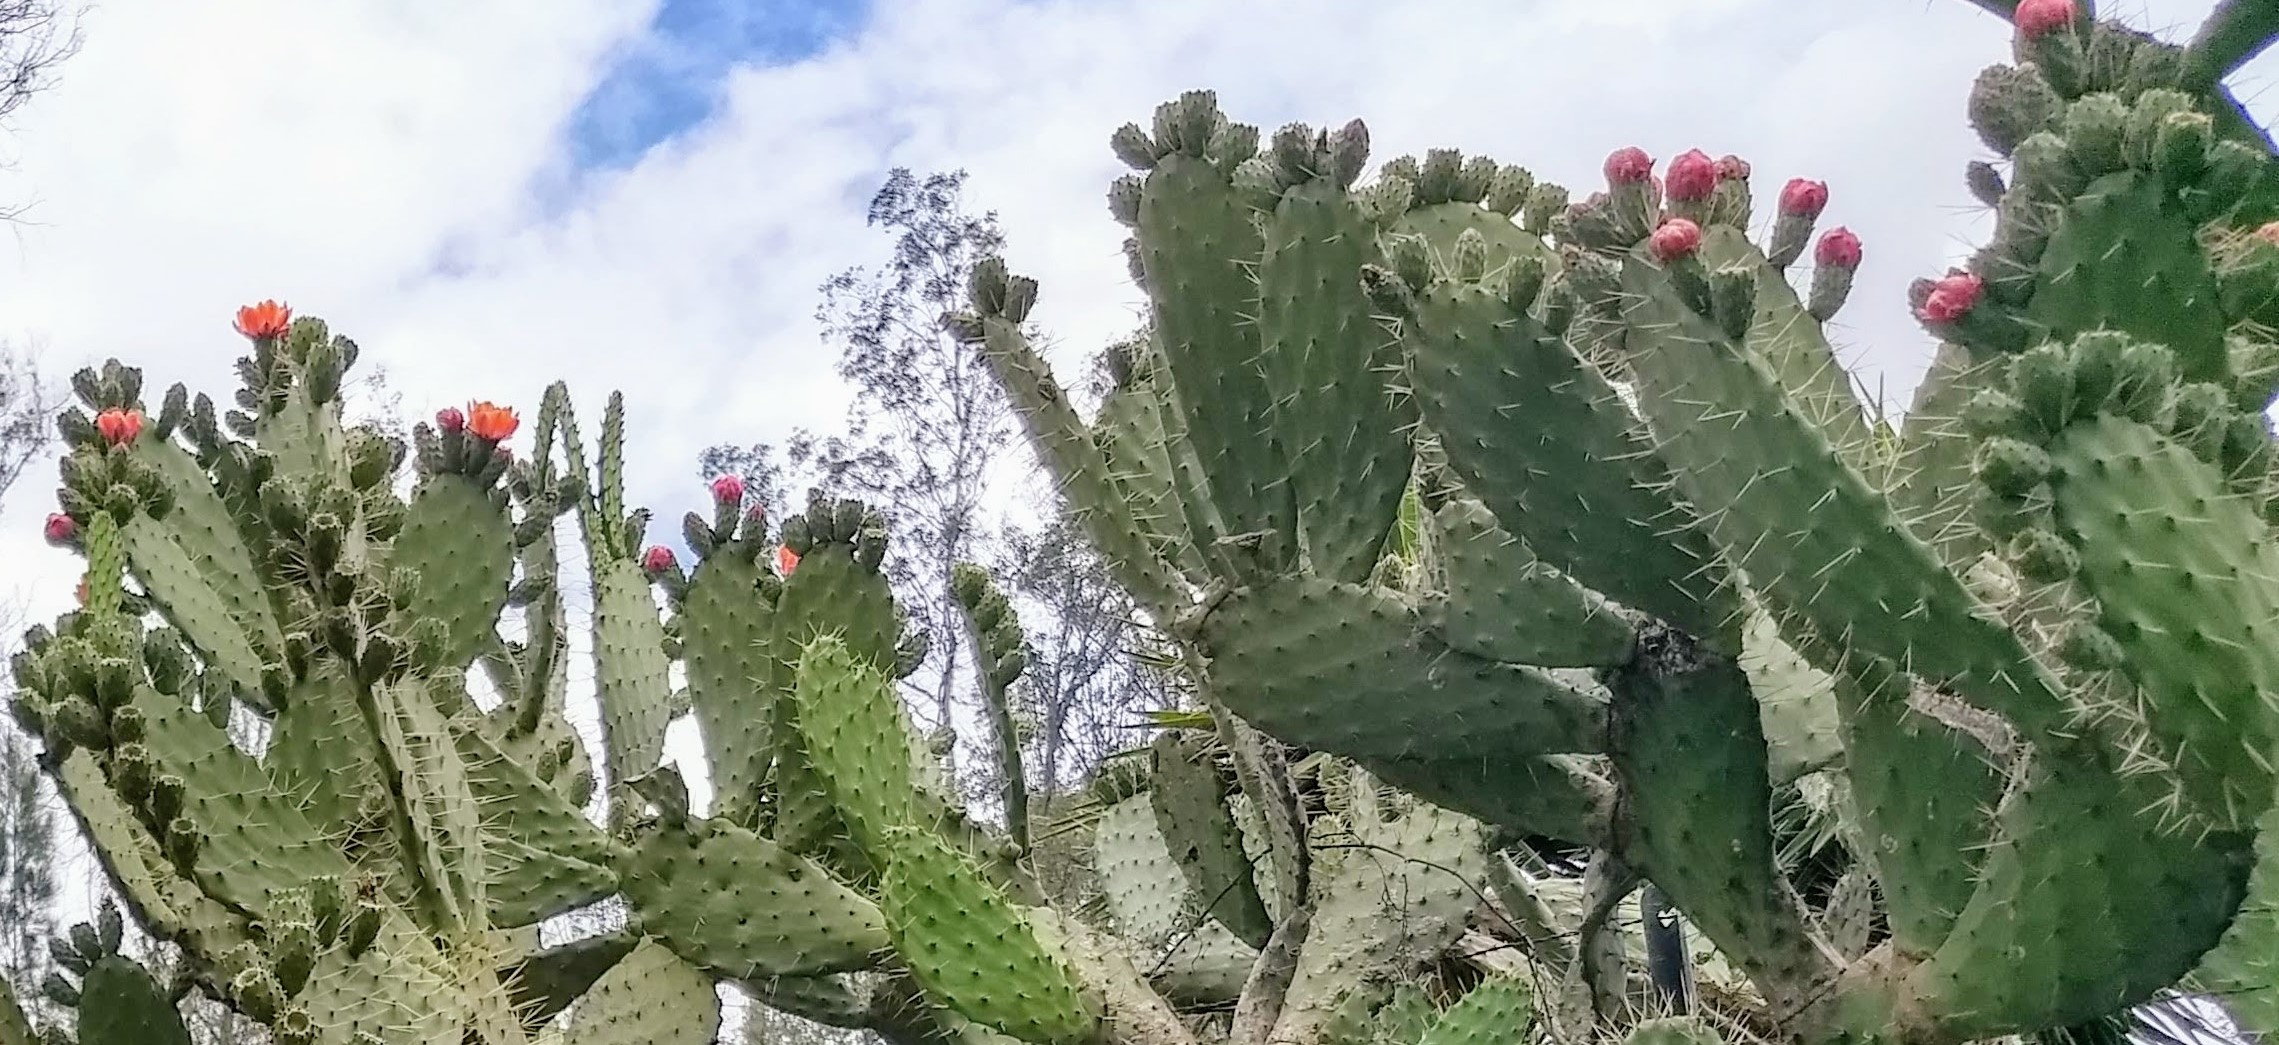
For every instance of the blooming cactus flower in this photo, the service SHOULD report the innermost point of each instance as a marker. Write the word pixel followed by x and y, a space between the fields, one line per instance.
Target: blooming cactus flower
pixel 786 560
pixel 269 319
pixel 492 422
pixel 1677 238
pixel 119 427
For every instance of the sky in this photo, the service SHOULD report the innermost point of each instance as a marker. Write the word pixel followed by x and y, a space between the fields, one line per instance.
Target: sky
pixel 644 196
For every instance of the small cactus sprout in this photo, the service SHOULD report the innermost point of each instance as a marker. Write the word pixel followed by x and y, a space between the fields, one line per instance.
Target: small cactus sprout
pixel 1692 177
pixel 1951 298
pixel 2034 18
pixel 119 427
pixel 61 529
pixel 1803 198
pixel 1628 165
pixel 491 422
pixel 451 420
pixel 728 489
pixel 1676 239
pixel 265 321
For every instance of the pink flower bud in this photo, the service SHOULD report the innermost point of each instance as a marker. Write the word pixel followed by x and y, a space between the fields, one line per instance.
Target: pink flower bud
pixel 1803 198
pixel 61 528
pixel 1951 298
pixel 1629 165
pixel 1677 238
pixel 728 489
pixel 451 420
pixel 1838 248
pixel 657 559
pixel 1692 177
pixel 1732 168
pixel 2036 17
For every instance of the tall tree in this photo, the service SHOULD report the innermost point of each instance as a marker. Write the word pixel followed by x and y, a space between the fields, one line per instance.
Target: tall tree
pixel 928 424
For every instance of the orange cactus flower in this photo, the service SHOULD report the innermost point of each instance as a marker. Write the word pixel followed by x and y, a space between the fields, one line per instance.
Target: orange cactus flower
pixel 268 319
pixel 492 422
pixel 786 560
pixel 119 427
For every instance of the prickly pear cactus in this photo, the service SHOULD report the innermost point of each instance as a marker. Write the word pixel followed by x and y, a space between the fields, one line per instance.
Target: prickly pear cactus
pixel 1665 567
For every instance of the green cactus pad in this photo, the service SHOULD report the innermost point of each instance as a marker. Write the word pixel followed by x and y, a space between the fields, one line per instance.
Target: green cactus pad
pixel 857 740
pixel 1343 668
pixel 1795 700
pixel 1393 896
pixel 543 856
pixel 457 539
pixel 741 906
pixel 202 535
pixel 1405 1018
pixel 1923 797
pixel 1499 1011
pixel 1505 604
pixel 631 680
pixel 1673 1030
pixel 2243 969
pixel 1820 546
pixel 1794 345
pixel 1191 813
pixel 1931 485
pixel 164 900
pixel 320 750
pixel 1199 248
pixel 549 981
pixel 1691 753
pixel 119 1004
pixel 1192 959
pixel 1441 223
pixel 2124 258
pixel 1138 453
pixel 255 838
pixel 1558 796
pixel 829 594
pixel 973 949
pixel 437 797
pixel 402 990
pixel 724 628
pixel 2162 540
pixel 1330 367
pixel 1545 442
pixel 649 998
pixel 2033 951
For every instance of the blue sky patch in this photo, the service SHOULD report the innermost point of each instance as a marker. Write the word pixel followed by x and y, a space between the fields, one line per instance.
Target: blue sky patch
pixel 669 80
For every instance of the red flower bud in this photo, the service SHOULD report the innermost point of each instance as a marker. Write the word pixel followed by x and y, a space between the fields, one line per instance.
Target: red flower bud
pixel 61 528
pixel 657 559
pixel 1951 298
pixel 2036 17
pixel 728 489
pixel 1838 248
pixel 1629 165
pixel 119 427
pixel 786 560
pixel 1732 168
pixel 1693 177
pixel 451 420
pixel 1803 198
pixel 1677 238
